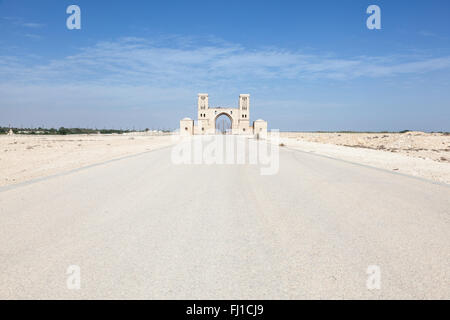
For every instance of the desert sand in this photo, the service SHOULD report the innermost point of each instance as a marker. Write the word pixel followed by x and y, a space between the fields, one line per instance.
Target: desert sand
pixel 425 155
pixel 26 157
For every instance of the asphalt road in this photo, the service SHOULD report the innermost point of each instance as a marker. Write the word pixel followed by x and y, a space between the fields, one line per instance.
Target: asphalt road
pixel 144 228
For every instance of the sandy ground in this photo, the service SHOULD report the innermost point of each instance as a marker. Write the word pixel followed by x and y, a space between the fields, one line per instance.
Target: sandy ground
pixel 24 157
pixel 425 155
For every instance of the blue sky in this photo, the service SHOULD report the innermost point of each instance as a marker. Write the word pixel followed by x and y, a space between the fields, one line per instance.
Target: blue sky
pixel 308 65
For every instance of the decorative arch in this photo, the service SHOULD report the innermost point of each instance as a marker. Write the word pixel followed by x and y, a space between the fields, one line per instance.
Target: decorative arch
pixel 221 114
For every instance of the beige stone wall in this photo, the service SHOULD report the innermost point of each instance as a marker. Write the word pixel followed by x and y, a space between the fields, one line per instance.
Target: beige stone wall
pixel 244 107
pixel 186 127
pixel 244 127
pixel 202 105
pixel 260 128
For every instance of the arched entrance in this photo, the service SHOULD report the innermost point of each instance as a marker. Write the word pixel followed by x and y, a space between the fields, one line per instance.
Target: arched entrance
pixel 223 123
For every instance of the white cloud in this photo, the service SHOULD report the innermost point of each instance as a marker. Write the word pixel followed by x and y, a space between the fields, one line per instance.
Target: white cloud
pixel 33 36
pixel 32 25
pixel 21 23
pixel 428 34
pixel 134 61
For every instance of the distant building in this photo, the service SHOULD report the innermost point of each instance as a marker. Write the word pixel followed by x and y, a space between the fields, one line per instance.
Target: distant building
pixel 239 118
